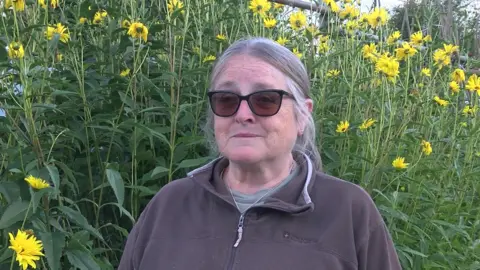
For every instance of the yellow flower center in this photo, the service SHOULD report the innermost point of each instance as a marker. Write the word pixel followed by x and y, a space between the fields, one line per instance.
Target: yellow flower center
pixel 139 30
pixel 259 7
pixel 298 23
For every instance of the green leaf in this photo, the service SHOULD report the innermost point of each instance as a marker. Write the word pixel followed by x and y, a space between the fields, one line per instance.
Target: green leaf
pixel 10 191
pixel 37 196
pixel 116 182
pixel 188 163
pixel 54 176
pixel 79 219
pixel 82 260
pixel 157 170
pixel 15 212
pixel 53 244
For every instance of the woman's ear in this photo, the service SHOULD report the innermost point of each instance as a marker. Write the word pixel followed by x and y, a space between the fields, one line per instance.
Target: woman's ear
pixel 301 126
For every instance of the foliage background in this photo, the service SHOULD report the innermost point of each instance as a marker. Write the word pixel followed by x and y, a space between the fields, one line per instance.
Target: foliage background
pixel 107 143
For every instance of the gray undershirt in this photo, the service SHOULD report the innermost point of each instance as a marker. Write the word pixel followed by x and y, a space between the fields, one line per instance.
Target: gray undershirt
pixel 244 201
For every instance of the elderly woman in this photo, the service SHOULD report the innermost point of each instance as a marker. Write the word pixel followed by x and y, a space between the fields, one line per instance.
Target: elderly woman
pixel 264 203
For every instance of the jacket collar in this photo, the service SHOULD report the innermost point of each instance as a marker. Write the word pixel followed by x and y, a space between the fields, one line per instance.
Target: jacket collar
pixel 292 198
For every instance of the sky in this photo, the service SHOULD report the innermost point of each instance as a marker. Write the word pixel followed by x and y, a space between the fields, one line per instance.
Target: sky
pixel 388 4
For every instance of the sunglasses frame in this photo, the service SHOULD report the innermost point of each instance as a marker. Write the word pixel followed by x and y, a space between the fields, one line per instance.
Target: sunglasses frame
pixel 247 98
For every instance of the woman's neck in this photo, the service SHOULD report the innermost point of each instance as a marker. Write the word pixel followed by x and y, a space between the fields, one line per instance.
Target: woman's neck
pixel 254 177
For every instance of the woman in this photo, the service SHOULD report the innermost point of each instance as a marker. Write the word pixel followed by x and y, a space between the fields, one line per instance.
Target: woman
pixel 264 203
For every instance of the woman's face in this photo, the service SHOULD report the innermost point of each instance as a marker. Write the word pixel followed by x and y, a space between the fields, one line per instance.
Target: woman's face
pixel 245 137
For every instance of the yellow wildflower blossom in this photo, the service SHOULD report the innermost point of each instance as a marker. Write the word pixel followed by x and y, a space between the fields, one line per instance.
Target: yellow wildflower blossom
pixel 282 41
pixel 125 72
pixel 367 123
pixel 441 58
pixel 298 20
pixel 221 37
pixel 42 3
pixel 173 5
pixel 269 22
pixel 342 127
pixel 323 47
pixel 426 72
pixel 416 38
pixel 59 29
pixel 405 51
pixel 278 6
pixel 332 5
pixel 450 49
pixel 82 20
pixel 378 17
pixel 15 50
pixel 36 183
pixel 138 30
pixel 473 84
pixel 209 58
pixel 18 5
pixel 126 24
pixel 349 11
pixel 458 75
pixel 389 66
pixel 393 37
pixel 27 249
pixel 427 38
pixel 454 87
pixel 333 73
pixel 426 147
pixel 260 7
pixel 399 163
pixel 470 111
pixel 370 51
pixel 297 53
pixel 440 101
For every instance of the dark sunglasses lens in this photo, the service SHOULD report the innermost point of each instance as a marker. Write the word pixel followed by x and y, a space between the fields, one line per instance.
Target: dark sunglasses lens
pixel 224 104
pixel 266 103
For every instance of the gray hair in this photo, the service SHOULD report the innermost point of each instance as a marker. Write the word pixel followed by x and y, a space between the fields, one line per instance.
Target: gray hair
pixel 298 83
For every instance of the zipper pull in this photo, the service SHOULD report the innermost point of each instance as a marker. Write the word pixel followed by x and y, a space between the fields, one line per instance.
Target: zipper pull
pixel 239 231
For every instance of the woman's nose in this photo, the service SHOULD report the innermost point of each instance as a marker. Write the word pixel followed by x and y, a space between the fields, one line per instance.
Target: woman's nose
pixel 244 113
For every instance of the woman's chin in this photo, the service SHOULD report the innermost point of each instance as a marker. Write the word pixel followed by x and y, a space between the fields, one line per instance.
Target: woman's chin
pixel 244 154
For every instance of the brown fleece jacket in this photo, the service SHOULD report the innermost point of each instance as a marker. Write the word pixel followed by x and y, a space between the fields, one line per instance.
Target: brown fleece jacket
pixel 316 221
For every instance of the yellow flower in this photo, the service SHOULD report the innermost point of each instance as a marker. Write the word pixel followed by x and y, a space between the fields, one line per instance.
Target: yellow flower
pixel 454 87
pixel 473 84
pixel 426 147
pixel 351 26
pixel 278 6
pixel 378 17
pixel 323 47
pixel 99 16
pixel 458 75
pixel 323 38
pixel 440 101
pixel 312 29
pixel 27 249
pixel 59 57
pixel 125 72
pixel 333 73
pixel 367 123
pixel 298 20
pixel 342 127
pixel 282 41
pixel 399 163
pixel 470 111
pixel 393 37
pixel 441 58
pixel 172 5
pixel 450 49
pixel 82 20
pixel 297 53
pixel 126 24
pixel 18 5
pixel 138 30
pixel 15 50
pixel 42 3
pixel 426 72
pixel 416 39
pixel 405 51
pixel 36 183
pixel 260 7
pixel 209 58
pixel 269 22
pixel 370 51
pixel 54 3
pixel 389 66
pixel 59 29
pixel 221 37
pixel 349 11
pixel 332 5
pixel 427 38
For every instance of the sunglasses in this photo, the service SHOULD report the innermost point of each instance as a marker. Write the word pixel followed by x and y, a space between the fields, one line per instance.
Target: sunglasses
pixel 261 103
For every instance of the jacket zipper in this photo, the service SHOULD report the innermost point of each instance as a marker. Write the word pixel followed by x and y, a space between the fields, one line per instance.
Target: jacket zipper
pixel 237 242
